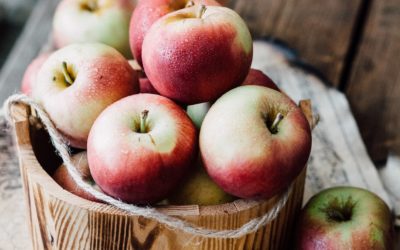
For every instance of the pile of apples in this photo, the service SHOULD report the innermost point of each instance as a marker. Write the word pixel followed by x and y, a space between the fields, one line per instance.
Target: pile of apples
pixel 187 122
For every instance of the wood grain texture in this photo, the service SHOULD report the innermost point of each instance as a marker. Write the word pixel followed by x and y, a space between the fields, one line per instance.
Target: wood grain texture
pixel 374 87
pixel 61 220
pixel 320 31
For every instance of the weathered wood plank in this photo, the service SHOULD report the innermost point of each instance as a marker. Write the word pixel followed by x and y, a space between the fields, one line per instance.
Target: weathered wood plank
pixel 374 86
pixel 34 36
pixel 320 31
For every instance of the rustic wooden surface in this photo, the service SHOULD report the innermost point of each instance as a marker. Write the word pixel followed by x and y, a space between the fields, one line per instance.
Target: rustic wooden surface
pixel 61 220
pixel 320 31
pixel 374 86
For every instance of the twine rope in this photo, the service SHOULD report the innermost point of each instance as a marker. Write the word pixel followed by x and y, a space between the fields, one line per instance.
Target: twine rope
pixel 62 149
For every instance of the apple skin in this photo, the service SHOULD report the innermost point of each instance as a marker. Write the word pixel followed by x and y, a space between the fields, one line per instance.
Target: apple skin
pixel 199 189
pixel 109 23
pixel 241 154
pixel 197 112
pixel 64 179
pixel 146 86
pixel 31 72
pixel 194 59
pixel 345 218
pixel 257 77
pixel 103 76
pixel 141 168
pixel 149 11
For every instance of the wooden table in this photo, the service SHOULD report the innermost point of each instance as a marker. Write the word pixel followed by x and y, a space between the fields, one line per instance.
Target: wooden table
pixel 353 45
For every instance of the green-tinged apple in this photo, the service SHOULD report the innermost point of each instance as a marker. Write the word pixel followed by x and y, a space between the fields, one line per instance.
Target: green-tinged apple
pixel 149 11
pixel 103 21
pixel 64 179
pixel 196 54
pixel 254 141
pixel 141 147
pixel 199 189
pixel 197 112
pixel 78 82
pixel 31 72
pixel 345 218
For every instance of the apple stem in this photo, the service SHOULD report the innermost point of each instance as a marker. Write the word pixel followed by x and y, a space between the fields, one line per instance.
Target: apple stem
pixel 274 126
pixel 68 77
pixel 202 10
pixel 189 4
pixel 143 119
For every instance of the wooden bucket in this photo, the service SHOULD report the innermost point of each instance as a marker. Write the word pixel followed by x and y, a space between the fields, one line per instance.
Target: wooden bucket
pixel 61 220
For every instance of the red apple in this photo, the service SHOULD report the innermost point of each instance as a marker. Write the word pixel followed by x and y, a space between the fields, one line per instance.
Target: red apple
pixel 149 11
pixel 196 54
pixel 257 77
pixel 64 179
pixel 31 72
pixel 254 141
pixel 78 82
pixel 146 86
pixel 140 148
pixel 345 218
pixel 103 21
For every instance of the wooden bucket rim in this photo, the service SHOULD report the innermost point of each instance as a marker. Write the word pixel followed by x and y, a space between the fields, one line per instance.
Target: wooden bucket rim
pixel 21 113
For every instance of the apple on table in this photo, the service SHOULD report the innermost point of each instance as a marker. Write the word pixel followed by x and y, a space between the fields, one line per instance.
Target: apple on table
pixel 345 218
pixel 103 21
pixel 141 147
pixel 77 82
pixel 254 141
pixel 149 11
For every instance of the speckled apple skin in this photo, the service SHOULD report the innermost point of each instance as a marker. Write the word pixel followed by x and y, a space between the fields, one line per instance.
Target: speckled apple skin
pixel 109 24
pixel 149 11
pixel 31 72
pixel 194 60
pixel 257 77
pixel 141 168
pixel 241 154
pixel 103 76
pixel 369 228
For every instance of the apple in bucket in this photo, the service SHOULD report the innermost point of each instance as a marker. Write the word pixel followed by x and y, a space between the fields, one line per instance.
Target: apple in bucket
pixel 103 21
pixel 345 218
pixel 78 82
pixel 254 141
pixel 149 11
pixel 198 53
pixel 65 180
pixel 31 72
pixel 140 148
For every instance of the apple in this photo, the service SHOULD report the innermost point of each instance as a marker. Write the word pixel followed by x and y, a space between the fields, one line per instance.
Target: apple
pixel 64 179
pixel 146 86
pixel 197 112
pixel 257 77
pixel 254 141
pixel 31 71
pixel 345 218
pixel 78 82
pixel 196 54
pixel 103 21
pixel 199 189
pixel 149 11
pixel 140 148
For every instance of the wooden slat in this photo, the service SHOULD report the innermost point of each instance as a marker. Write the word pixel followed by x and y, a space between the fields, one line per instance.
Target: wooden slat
pixel 319 30
pixel 374 86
